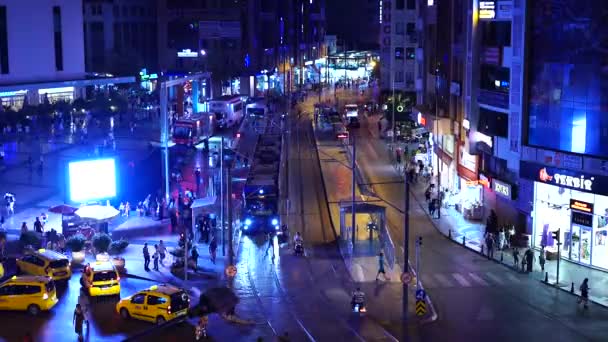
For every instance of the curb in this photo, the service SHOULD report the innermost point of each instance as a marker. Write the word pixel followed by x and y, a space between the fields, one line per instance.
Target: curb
pixel 574 294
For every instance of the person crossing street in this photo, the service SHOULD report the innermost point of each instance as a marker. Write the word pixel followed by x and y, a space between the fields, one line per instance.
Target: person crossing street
pixel 146 257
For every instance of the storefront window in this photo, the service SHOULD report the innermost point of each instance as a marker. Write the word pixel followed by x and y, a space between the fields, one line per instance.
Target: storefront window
pixel 583 233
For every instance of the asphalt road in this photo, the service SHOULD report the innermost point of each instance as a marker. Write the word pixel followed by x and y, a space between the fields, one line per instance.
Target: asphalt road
pixel 476 299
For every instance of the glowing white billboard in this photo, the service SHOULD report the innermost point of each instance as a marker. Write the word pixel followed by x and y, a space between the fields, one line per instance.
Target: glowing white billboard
pixel 92 179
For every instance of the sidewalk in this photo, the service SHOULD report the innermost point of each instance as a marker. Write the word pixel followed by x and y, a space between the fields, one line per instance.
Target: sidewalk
pixel 470 234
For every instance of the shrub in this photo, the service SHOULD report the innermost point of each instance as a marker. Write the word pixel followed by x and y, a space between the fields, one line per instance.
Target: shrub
pixel 102 242
pixel 119 246
pixel 30 238
pixel 76 242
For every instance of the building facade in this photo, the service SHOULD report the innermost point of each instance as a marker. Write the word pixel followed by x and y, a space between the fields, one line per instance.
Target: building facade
pixel 120 36
pixel 398 62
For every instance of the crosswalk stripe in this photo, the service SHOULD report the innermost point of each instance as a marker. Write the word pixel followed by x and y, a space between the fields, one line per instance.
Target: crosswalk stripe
pixel 428 281
pixel 461 280
pixel 444 280
pixel 495 278
pixel 512 277
pixel 478 279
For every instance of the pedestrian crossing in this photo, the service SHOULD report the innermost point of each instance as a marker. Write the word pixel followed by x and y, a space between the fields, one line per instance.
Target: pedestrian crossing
pixel 469 279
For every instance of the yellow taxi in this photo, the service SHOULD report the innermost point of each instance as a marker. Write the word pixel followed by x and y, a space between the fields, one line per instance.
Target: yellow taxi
pixel 158 304
pixel 100 278
pixel 44 262
pixel 28 293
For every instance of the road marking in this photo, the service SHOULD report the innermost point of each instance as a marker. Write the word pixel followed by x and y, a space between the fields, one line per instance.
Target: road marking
pixel 445 281
pixel 478 279
pixel 495 278
pixel 513 278
pixel 461 280
pixel 428 281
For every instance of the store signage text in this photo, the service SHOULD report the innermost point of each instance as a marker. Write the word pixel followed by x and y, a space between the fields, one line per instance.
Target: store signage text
pixel 187 53
pixel 501 188
pixel 571 179
pixel 565 180
pixel 582 219
pixel 581 206
pixel 487 9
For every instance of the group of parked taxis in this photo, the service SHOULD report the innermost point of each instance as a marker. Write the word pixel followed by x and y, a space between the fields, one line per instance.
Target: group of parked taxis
pixel 34 290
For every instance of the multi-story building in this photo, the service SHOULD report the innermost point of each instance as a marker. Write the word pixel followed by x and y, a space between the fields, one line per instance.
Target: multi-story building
pixel 42 58
pixel 398 62
pixel 120 36
pixel 264 43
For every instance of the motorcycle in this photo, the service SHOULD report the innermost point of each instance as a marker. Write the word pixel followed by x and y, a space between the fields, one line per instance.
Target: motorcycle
pixel 359 308
pixel 201 329
pixel 299 248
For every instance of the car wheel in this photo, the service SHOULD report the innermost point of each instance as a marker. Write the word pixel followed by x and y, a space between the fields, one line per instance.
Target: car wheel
pixel 160 320
pixel 33 309
pixel 124 313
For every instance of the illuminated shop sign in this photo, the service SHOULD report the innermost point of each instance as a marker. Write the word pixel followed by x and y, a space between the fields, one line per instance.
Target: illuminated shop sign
pixel 581 206
pixel 487 9
pixel 187 53
pixel 576 180
pixel 502 189
pixel 12 93
pixel 56 90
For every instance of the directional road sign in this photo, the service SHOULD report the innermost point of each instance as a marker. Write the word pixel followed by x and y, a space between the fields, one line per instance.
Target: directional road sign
pixel 420 294
pixel 420 308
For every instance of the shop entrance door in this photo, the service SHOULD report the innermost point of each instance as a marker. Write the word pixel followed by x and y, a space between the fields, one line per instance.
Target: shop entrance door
pixel 580 250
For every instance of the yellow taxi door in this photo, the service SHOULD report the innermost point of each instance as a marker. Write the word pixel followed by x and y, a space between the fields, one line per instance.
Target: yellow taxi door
pixel 136 307
pixel 6 295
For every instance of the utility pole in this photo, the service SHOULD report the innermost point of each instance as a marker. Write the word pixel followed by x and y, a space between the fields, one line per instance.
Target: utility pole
pixel 393 117
pixel 164 139
pixel 406 250
pixel 222 199
pixel 230 230
pixel 354 182
pixel 418 245
pixel 320 72
pixel 439 162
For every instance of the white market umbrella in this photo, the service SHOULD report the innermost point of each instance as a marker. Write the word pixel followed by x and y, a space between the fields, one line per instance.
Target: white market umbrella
pixel 97 212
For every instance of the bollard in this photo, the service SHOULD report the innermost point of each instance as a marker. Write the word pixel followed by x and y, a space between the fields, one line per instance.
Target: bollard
pixel 501 256
pixel 482 250
pixel 450 233
pixel 572 288
pixel 546 277
pixel 464 239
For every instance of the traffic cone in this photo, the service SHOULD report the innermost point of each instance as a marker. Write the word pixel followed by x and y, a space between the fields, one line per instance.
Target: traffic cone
pixel 546 277
pixel 572 288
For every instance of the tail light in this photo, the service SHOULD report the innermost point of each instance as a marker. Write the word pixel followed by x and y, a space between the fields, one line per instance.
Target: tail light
pixel 45 296
pixel 117 278
pixel 169 309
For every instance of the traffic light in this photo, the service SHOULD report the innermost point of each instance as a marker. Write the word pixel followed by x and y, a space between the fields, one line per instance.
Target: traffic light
pixel 556 235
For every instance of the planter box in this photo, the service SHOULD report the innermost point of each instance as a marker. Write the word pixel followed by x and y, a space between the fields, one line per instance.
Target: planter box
pixel 102 257
pixel 78 257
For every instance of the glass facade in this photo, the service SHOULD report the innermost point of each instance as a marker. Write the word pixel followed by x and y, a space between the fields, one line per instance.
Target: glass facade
pixel 582 218
pixel 568 85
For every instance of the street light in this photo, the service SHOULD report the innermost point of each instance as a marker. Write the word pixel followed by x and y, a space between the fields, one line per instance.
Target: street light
pixel 203 52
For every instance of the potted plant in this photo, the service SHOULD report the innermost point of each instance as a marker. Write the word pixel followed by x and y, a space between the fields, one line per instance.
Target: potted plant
pixel 29 239
pixel 76 243
pixel 117 247
pixel 101 242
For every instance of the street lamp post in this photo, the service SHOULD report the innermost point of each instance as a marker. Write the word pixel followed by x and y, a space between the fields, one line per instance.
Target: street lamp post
pixel 222 199
pixel 406 247
pixel 354 183
pixel 439 162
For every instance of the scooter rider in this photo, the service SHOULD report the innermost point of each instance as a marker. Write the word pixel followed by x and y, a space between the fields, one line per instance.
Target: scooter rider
pixel 358 297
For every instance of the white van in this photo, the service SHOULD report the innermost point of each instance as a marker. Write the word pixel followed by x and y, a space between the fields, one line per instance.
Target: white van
pixel 227 110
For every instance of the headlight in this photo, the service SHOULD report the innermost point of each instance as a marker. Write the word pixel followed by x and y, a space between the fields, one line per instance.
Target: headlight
pixel 275 222
pixel 248 222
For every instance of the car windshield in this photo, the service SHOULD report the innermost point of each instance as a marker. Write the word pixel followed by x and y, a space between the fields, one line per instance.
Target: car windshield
pixel 59 263
pixel 104 276
pixel 179 301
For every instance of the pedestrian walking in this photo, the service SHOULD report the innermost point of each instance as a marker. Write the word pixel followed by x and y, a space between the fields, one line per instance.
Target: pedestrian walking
pixel 155 257
pixel 146 257
pixel 83 301
pixel 529 260
pixel 541 259
pixel 490 246
pixel 162 251
pixel 77 321
pixel 381 267
pixel 584 293
pixel 213 249
pixel 432 208
pixel 515 257
pixel 194 255
pixel 270 245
